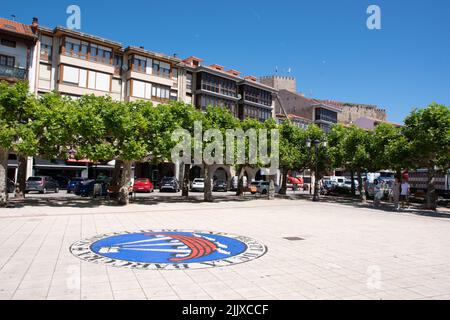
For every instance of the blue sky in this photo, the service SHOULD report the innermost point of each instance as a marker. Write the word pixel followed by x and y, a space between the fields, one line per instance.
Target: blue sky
pixel 326 44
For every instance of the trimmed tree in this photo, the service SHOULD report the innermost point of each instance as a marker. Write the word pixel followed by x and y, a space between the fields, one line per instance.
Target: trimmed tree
pixel 428 132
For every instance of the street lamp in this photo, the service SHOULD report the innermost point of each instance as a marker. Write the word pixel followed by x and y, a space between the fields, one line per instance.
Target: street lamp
pixel 317 145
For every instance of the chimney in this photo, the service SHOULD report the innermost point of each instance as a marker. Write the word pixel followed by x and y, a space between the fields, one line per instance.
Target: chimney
pixel 34 24
pixel 234 72
pixel 250 78
pixel 217 67
pixel 193 61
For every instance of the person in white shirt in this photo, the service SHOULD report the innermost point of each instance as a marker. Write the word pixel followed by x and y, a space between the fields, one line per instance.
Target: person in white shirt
pixel 404 194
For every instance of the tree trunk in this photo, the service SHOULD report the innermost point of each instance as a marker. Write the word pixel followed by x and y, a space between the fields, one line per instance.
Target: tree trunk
pixel 125 178
pixel 398 172
pixel 362 192
pixel 3 177
pixel 283 180
pixel 207 194
pixel 271 193
pixel 431 189
pixel 185 189
pixel 116 173
pixel 21 177
pixel 240 187
pixel 352 177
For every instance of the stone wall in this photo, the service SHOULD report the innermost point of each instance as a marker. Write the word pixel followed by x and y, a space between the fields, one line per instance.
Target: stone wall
pixel 280 82
pixel 352 112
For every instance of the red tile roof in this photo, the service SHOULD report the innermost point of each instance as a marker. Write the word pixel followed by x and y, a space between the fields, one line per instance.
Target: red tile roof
pixel 16 27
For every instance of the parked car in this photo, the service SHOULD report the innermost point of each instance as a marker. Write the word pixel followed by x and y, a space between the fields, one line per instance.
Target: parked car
pixel 73 183
pixel 261 187
pixel 220 185
pixel 61 180
pixel 87 188
pixel 348 184
pixel 294 182
pixel 198 184
pixel 143 185
pixel 328 186
pixel 11 186
pixel 169 184
pixel 42 184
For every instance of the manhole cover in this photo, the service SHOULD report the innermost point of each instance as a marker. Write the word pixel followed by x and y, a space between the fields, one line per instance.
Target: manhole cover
pixel 293 238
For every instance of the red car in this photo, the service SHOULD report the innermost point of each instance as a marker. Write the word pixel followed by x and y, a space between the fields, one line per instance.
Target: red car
pixel 143 185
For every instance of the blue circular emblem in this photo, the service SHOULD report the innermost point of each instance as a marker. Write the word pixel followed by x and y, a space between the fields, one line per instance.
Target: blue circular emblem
pixel 168 249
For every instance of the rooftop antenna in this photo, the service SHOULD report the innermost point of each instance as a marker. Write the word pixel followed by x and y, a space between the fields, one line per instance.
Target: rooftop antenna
pixel 13 17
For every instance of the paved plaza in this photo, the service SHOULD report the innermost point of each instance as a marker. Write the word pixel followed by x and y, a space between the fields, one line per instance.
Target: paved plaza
pixel 333 251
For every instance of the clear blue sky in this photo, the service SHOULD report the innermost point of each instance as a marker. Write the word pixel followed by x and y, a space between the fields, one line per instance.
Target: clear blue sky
pixel 326 44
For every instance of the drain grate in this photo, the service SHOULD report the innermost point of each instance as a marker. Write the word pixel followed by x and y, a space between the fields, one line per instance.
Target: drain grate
pixel 293 238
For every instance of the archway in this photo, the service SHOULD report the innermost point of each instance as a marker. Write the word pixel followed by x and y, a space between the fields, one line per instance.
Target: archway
pixel 220 174
pixel 195 172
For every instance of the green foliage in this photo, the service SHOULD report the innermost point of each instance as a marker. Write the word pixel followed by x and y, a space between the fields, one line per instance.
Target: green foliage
pixel 350 147
pixel 18 111
pixel 428 132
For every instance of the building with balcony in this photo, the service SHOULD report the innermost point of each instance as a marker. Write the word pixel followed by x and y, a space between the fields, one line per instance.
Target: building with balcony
pixel 244 97
pixel 316 111
pixel 17 50
pixel 18 56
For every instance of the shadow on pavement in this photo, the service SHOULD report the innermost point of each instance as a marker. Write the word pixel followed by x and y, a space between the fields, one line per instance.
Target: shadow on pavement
pixel 415 208
pixel 88 202
pixel 80 202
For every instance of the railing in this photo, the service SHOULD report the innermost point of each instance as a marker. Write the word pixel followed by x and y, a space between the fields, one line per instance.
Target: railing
pixel 12 72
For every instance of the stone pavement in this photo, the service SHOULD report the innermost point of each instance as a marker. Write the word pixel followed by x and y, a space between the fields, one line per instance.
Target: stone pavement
pixel 347 252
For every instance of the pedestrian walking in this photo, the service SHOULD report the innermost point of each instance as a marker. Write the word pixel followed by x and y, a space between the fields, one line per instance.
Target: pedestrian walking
pixel 396 194
pixel 404 194
pixel 378 193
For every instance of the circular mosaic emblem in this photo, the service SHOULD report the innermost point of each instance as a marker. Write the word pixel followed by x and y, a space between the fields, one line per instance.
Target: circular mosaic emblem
pixel 168 249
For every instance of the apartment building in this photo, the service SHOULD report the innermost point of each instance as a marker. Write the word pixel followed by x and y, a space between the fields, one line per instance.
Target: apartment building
pixel 74 63
pixel 244 97
pixel 320 112
pixel 18 58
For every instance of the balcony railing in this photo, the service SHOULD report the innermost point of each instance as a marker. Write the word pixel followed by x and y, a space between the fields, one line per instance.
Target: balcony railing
pixel 12 72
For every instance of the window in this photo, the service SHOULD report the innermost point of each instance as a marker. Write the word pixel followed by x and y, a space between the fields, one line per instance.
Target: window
pixel 138 64
pixel 160 92
pixel 46 51
pixel 207 100
pixel 189 80
pixel 257 95
pixel 99 81
pixel 8 43
pixel 118 61
pixel 175 74
pixel 7 61
pixel 71 75
pixel 326 115
pixel 161 69
pixel 83 49
pixel 216 84
pixel 100 54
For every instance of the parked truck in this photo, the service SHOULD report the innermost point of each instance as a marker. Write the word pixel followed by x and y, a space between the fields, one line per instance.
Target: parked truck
pixel 418 181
